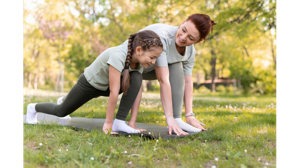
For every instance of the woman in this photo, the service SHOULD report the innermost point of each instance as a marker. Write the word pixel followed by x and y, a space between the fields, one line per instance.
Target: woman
pixel 116 70
pixel 173 69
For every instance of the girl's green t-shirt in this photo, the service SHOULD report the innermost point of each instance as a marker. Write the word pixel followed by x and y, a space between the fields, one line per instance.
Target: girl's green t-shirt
pixel 97 74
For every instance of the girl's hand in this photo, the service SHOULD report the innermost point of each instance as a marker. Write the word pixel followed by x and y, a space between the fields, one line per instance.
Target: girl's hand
pixel 107 128
pixel 194 122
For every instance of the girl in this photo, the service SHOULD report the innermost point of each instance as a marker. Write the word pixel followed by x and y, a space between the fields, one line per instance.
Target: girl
pixel 173 69
pixel 116 70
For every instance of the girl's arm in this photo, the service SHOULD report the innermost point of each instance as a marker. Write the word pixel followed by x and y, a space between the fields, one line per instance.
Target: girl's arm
pixel 134 110
pixel 188 102
pixel 162 74
pixel 114 87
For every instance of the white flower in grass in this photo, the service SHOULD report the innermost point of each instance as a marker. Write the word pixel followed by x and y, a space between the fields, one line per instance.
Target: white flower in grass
pixel 157 140
pixel 125 151
pixel 267 163
pixel 149 132
pixel 40 144
pixel 130 162
pixel 216 159
pixel 129 136
pixel 92 158
pixel 59 150
pixel 67 149
pixel 245 150
pixel 213 166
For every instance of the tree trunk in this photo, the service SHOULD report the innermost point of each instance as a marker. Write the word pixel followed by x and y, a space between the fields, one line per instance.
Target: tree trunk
pixel 29 80
pixel 36 77
pixel 57 80
pixel 62 78
pixel 273 53
pixel 213 70
pixel 198 78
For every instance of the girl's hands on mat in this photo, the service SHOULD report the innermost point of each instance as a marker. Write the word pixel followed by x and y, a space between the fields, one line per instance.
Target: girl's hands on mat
pixel 107 128
pixel 173 126
pixel 194 122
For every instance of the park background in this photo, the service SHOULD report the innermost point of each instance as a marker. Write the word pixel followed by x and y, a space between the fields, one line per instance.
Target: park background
pixel 235 70
pixel 62 37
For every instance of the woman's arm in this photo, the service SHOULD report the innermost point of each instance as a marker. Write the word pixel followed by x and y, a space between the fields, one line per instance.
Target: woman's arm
pixel 114 87
pixel 188 102
pixel 162 74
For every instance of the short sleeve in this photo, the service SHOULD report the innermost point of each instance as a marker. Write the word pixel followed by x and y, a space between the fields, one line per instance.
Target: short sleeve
pixel 162 60
pixel 188 65
pixel 117 60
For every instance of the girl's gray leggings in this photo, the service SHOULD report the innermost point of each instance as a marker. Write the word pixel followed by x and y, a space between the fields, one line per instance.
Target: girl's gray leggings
pixel 176 77
pixel 82 92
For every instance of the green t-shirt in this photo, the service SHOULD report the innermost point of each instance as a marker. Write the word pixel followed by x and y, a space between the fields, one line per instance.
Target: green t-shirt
pixel 170 54
pixel 98 72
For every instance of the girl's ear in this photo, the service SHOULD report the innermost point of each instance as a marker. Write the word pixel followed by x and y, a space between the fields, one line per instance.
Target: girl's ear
pixel 138 50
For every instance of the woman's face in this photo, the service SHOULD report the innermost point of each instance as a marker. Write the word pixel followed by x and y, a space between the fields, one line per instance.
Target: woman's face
pixel 187 34
pixel 148 58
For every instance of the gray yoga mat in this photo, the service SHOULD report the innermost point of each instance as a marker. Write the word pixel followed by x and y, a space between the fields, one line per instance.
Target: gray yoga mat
pixel 153 131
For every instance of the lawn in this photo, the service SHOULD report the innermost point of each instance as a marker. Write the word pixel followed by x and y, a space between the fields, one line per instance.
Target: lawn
pixel 243 135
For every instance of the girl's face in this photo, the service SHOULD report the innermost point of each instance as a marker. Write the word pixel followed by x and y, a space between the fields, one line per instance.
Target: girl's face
pixel 187 34
pixel 148 58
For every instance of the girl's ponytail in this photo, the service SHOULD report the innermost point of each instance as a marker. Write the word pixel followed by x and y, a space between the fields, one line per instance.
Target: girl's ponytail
pixel 126 77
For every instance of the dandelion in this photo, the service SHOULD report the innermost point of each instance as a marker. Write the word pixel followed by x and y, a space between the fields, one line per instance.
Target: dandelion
pixel 157 140
pixel 40 144
pixel 213 166
pixel 59 150
pixel 216 159
pixel 125 151
pixel 245 150
pixel 67 149
pixel 129 136
pixel 92 158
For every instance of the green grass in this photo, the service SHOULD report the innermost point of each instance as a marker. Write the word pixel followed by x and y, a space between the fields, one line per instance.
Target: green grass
pixel 238 123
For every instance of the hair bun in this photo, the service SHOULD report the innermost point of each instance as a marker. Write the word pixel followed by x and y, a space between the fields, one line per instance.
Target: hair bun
pixel 213 23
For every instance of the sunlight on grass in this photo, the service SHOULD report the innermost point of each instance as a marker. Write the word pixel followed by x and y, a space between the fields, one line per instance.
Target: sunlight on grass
pixel 243 134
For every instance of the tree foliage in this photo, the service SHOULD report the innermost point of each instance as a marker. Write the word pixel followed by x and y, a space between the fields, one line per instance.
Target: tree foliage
pixel 63 37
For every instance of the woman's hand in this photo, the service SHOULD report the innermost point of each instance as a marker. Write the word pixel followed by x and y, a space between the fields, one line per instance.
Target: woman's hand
pixel 194 122
pixel 173 126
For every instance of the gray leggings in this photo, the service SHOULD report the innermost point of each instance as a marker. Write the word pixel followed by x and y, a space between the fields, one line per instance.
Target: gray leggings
pixel 82 92
pixel 176 78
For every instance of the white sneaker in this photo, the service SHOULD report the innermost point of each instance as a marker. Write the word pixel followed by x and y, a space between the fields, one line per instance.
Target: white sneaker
pixel 59 101
pixel 31 115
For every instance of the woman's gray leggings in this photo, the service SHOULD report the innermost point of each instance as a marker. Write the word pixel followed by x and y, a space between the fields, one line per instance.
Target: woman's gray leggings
pixel 82 92
pixel 176 77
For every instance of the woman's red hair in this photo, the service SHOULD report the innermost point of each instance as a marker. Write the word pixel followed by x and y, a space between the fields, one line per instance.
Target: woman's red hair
pixel 203 24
